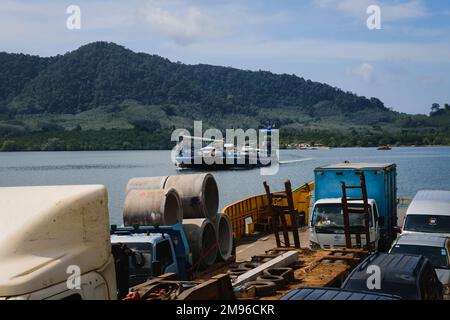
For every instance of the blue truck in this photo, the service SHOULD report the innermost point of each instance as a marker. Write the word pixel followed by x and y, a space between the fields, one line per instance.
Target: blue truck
pixel 326 219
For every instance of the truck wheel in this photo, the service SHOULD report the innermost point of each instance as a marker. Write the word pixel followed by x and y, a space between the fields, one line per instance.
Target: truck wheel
pixel 263 288
pixel 278 280
pixel 286 273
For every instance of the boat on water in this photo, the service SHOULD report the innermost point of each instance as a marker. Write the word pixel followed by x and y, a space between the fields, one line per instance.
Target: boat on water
pixel 215 154
pixel 384 148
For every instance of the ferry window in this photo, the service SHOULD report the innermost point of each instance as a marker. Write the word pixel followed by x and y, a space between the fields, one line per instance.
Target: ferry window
pixel 164 254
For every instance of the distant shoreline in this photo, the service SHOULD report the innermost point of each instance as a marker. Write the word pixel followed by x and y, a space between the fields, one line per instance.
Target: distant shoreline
pixel 290 149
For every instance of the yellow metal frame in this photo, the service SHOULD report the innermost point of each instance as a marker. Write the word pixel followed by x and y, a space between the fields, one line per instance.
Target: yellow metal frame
pixel 257 208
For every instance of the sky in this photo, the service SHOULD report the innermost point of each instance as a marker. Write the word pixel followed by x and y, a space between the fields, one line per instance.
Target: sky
pixel 406 63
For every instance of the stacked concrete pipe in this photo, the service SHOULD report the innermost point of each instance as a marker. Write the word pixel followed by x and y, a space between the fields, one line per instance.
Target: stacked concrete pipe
pixel 224 232
pixel 209 234
pixel 202 239
pixel 150 183
pixel 152 207
pixel 198 192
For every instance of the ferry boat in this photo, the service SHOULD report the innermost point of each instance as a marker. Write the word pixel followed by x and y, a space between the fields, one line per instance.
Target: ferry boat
pixel 217 155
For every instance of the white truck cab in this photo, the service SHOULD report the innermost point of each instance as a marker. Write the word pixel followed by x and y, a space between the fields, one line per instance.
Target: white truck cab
pixel 326 225
pixel 153 255
pixel 55 244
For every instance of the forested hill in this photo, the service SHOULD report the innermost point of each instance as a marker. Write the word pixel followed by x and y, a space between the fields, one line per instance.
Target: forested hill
pixel 135 99
pixel 104 73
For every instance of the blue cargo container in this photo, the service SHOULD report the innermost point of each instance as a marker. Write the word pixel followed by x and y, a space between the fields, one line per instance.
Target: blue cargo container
pixel 381 183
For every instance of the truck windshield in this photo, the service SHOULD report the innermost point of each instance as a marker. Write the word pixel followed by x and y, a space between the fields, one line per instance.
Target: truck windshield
pixel 427 223
pixel 328 217
pixel 437 255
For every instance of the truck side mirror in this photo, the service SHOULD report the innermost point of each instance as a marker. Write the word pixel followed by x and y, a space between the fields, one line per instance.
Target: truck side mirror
pixel 381 222
pixel 156 268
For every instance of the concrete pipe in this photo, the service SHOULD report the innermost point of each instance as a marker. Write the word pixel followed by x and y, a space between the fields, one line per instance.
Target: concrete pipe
pixel 224 233
pixel 148 183
pixel 152 207
pixel 199 194
pixel 201 236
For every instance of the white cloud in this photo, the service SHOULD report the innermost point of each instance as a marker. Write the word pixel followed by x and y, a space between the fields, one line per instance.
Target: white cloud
pixel 390 11
pixel 363 71
pixel 183 24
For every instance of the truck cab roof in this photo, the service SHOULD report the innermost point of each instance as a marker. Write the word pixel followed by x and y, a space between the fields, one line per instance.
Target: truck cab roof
pixel 124 237
pixel 339 200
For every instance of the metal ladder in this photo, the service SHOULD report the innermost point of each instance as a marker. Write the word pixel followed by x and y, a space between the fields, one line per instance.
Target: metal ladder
pixel 347 209
pixel 279 212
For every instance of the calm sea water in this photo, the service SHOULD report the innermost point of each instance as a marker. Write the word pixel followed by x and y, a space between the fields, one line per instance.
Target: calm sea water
pixel 418 168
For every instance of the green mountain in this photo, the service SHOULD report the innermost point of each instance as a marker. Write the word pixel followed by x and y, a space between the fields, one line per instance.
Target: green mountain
pixel 104 87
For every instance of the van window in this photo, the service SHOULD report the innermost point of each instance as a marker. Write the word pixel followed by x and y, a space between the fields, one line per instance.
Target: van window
pixel 164 254
pixel 427 223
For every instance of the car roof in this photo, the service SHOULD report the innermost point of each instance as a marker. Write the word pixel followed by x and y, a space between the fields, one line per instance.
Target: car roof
pixel 435 195
pixel 422 240
pixel 335 294
pixel 401 268
pixel 430 202
pixel 357 166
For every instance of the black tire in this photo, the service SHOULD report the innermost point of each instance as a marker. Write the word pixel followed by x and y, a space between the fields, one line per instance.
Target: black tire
pixel 263 288
pixel 236 271
pixel 278 280
pixel 249 265
pixel 286 273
